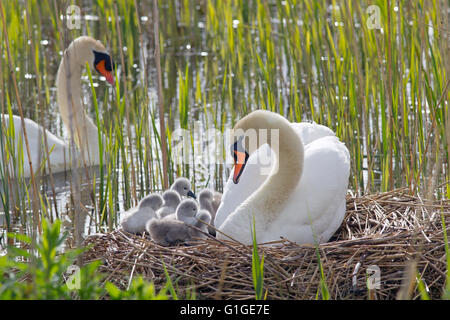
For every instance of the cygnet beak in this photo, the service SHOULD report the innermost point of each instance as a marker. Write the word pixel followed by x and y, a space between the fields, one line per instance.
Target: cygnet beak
pixel 191 194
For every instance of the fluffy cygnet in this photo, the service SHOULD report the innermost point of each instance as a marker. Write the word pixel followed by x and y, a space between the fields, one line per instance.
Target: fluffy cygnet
pixel 172 230
pixel 154 201
pixel 167 232
pixel 210 201
pixel 135 218
pixel 183 187
pixel 189 213
pixel 217 199
pixel 186 211
pixel 171 202
pixel 202 215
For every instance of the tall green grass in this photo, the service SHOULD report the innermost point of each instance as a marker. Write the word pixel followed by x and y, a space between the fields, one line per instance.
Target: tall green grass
pixel 257 267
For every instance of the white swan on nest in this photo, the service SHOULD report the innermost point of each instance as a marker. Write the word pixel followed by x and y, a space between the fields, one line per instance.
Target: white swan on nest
pixel 301 197
pixel 68 83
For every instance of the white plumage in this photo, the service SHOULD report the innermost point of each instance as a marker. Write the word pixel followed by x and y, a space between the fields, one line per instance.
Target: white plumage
pixel 315 205
pixel 81 50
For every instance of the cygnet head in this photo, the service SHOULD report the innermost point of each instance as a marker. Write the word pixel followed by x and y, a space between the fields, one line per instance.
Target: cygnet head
pixel 171 198
pixel 187 210
pixel 205 196
pixel 153 201
pixel 204 216
pixel 183 187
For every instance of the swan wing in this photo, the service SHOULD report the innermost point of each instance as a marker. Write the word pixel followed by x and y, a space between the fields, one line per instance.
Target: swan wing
pixel 310 132
pixel 317 206
pixel 35 133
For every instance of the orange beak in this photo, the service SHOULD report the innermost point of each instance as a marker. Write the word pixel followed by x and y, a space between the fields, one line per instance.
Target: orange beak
pixel 240 160
pixel 107 74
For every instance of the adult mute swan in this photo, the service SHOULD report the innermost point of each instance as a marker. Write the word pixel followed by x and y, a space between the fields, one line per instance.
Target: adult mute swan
pixel 301 197
pixel 68 84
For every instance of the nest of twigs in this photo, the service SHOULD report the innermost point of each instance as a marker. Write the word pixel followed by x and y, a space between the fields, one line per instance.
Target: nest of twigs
pixel 392 237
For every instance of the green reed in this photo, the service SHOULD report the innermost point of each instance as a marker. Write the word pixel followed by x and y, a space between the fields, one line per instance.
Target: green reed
pixel 257 267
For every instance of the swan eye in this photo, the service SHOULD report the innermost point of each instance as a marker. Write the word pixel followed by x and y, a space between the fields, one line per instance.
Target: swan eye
pixel 102 56
pixel 104 65
pixel 237 148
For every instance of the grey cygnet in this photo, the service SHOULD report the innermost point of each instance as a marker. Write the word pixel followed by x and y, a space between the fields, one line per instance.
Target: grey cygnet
pixel 183 187
pixel 189 213
pixel 170 231
pixel 171 202
pixel 135 219
pixel 210 201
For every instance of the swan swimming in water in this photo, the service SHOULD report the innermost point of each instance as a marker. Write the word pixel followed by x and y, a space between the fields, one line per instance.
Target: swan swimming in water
pixel 135 219
pixel 68 84
pixel 302 197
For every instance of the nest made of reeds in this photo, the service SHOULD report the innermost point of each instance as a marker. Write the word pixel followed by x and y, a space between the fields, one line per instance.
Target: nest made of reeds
pixel 386 243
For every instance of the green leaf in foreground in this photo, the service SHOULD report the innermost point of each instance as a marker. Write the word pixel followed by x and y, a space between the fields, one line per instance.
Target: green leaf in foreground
pixel 139 290
pixel 257 267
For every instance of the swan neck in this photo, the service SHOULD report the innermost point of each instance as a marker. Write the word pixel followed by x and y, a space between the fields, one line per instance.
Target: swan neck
pixel 79 125
pixel 278 187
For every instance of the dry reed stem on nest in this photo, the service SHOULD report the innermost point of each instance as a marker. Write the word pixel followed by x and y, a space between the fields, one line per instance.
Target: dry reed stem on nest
pixel 389 230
